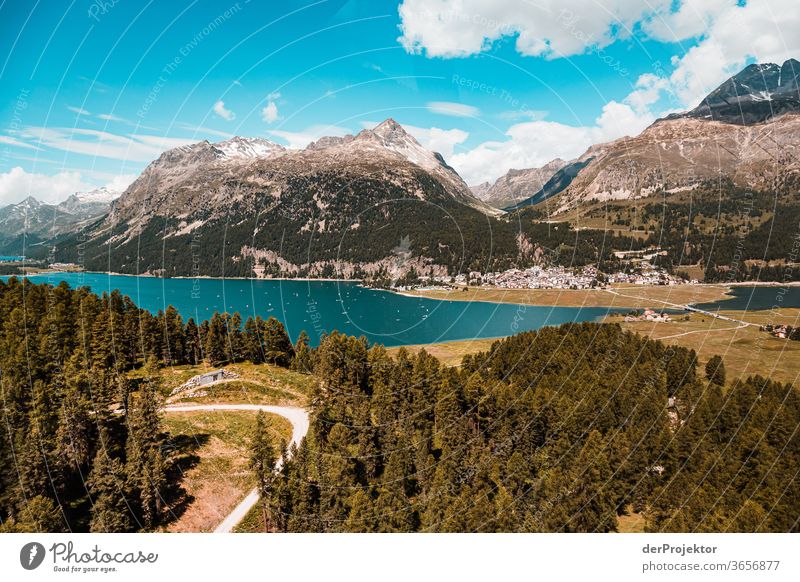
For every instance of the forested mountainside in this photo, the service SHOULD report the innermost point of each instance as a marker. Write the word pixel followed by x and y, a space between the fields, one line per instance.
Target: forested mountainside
pixel 524 437
pixel 341 203
pixel 83 446
pixel 529 437
pixel 732 233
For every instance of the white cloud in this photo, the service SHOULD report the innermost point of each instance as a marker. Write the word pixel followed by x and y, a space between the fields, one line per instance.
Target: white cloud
pixel 91 142
pixel 527 145
pixel 270 112
pixel 17 184
pixel 111 117
pixel 121 182
pixel 300 139
pixel 761 30
pixel 435 139
pixel 549 28
pixel 726 34
pixel 534 143
pixel 8 140
pixel 454 109
pixel 226 114
pixel 78 110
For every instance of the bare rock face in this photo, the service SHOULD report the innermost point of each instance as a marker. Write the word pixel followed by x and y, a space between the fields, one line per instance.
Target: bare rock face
pixel 758 93
pixel 517 185
pixel 252 193
pixel 677 154
pixel 748 130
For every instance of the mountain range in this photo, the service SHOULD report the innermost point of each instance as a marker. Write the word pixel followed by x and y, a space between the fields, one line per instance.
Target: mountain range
pixel 747 129
pixel 249 206
pixel 30 222
pixel 344 205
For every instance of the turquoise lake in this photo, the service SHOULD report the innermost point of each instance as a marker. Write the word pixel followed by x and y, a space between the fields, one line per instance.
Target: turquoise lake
pixel 755 298
pixel 323 306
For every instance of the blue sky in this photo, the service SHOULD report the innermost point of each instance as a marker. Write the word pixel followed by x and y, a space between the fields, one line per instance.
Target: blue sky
pixel 94 92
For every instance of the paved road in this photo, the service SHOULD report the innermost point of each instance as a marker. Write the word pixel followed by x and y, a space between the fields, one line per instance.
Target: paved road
pixel 297 416
pixel 686 308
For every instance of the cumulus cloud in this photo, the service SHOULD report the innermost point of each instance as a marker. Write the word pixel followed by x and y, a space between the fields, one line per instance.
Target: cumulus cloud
pixel 534 143
pixel 437 139
pixel 454 109
pixel 121 182
pixel 724 35
pixel 17 184
pixel 549 28
pixel 761 30
pixel 226 114
pixel 270 112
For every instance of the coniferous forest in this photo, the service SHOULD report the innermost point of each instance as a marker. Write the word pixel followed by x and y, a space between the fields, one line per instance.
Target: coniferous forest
pixel 561 430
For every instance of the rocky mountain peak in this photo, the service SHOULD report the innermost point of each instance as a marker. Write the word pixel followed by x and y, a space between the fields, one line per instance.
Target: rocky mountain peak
pixel 30 203
pixel 756 94
pixel 248 148
pixel 91 202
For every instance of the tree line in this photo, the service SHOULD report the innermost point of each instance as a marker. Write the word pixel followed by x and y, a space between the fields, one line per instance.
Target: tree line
pixel 563 429
pixel 83 447
pixel 560 430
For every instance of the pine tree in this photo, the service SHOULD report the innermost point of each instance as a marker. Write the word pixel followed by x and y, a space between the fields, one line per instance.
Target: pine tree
pixel 145 459
pixel 278 348
pixel 194 352
pixel 174 337
pixel 235 338
pixel 715 371
pixel 215 341
pixel 252 341
pixel 107 485
pixel 73 434
pixel 262 462
pixel 303 356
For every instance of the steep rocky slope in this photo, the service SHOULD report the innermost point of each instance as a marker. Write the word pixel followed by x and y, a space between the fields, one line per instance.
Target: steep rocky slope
pixel 342 202
pixel 517 185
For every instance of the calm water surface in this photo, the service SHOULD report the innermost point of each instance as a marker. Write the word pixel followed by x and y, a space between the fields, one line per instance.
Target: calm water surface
pixel 756 298
pixel 324 306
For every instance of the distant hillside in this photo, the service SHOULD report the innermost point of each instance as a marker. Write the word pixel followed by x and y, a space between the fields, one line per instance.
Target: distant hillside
pixel 27 224
pixel 518 185
pixel 747 130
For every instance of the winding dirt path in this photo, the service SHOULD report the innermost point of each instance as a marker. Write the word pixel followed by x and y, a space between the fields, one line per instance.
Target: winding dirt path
pixel 298 417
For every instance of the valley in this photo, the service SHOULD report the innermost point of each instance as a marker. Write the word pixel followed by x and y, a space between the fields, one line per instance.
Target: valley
pixel 343 335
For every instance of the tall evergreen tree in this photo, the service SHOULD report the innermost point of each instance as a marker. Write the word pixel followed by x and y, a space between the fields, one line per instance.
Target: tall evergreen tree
pixel 262 462
pixel 145 458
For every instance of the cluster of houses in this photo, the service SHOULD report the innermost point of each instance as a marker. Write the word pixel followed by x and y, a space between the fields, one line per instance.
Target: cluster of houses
pixel 567 278
pixel 647 275
pixel 544 278
pixel 781 331
pixel 649 315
